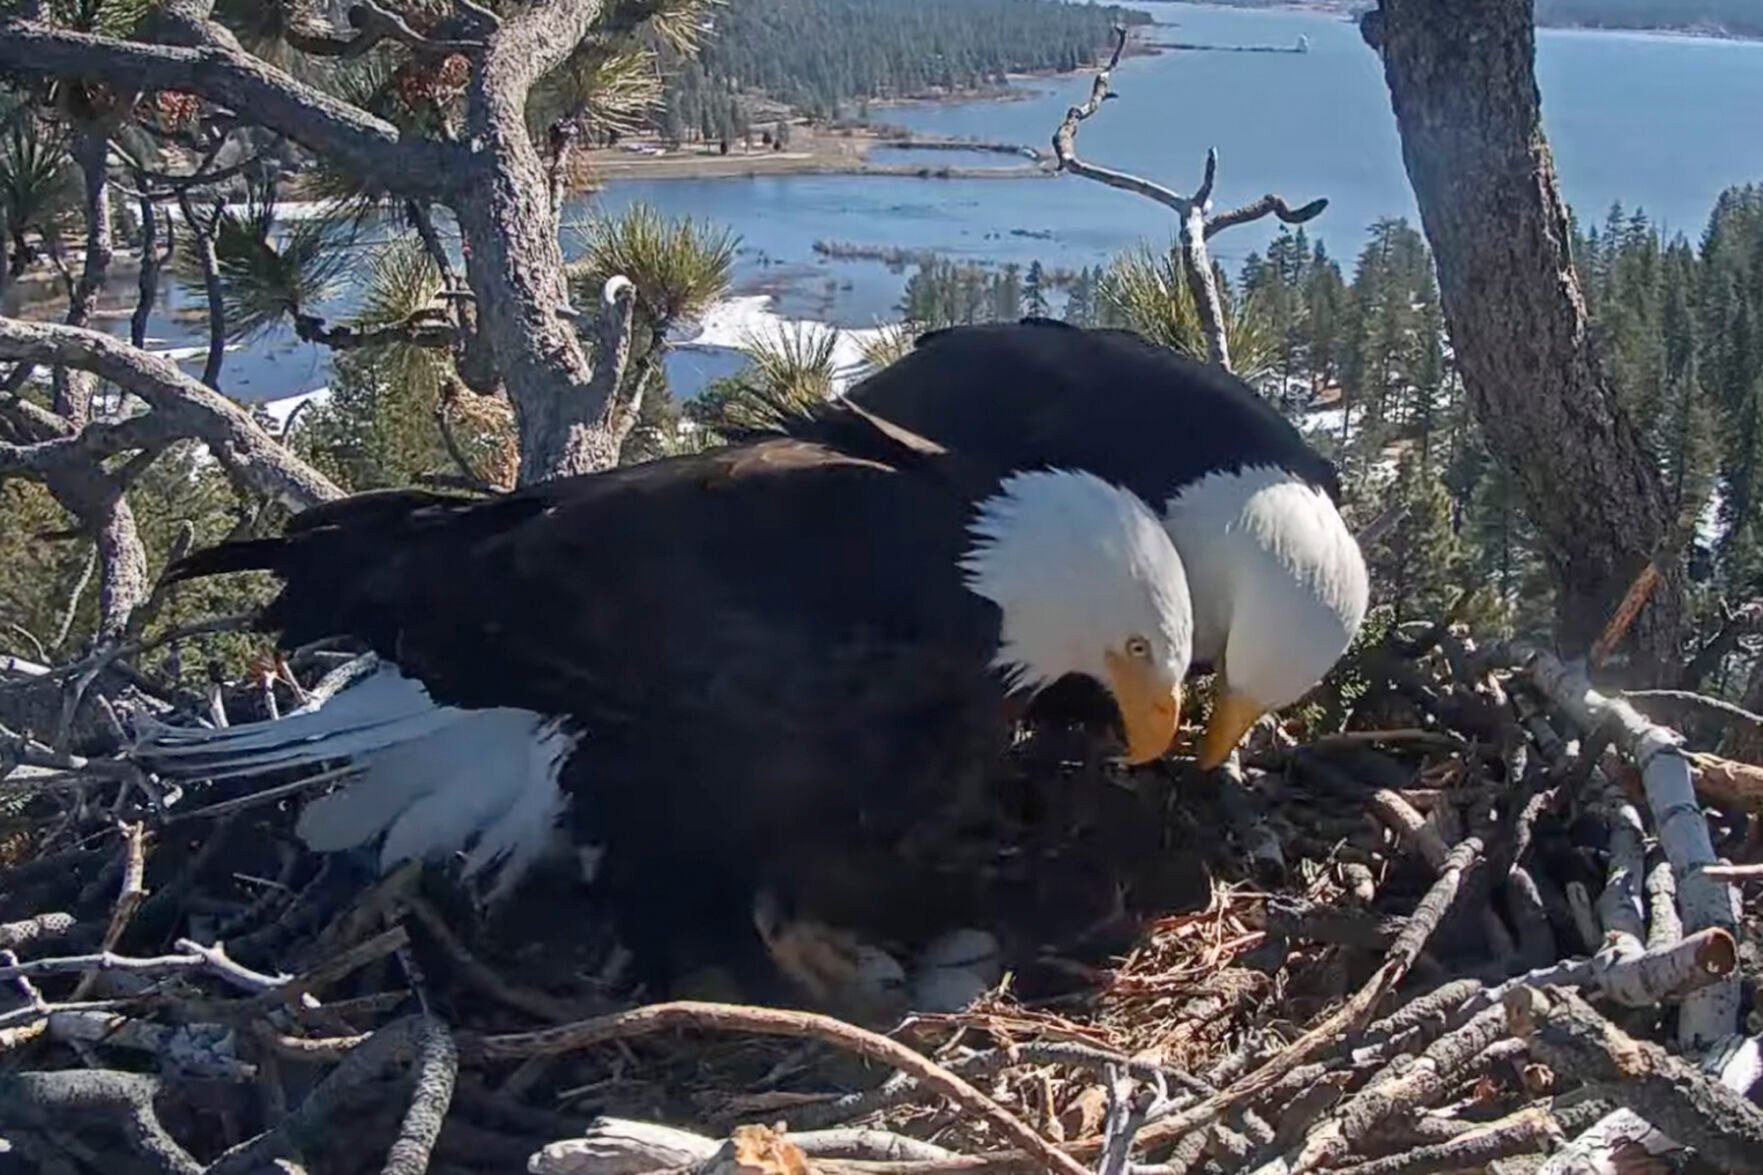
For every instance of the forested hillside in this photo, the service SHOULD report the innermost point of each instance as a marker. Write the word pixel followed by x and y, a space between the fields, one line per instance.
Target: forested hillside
pixel 1738 17
pixel 821 55
pixel 1359 355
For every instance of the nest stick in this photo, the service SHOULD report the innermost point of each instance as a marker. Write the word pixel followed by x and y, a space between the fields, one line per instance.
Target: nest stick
pixel 1523 1133
pixel 128 899
pixel 435 1070
pixel 1664 923
pixel 50 1100
pixel 1416 1086
pixel 1667 779
pixel 775 1022
pixel 1565 1033
pixel 42 928
pixel 392 1046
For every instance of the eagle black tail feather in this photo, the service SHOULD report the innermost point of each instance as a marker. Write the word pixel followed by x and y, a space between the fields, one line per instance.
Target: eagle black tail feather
pixel 243 555
pixel 349 566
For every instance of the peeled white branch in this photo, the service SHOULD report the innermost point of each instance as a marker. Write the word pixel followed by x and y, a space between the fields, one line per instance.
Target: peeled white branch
pixel 1667 777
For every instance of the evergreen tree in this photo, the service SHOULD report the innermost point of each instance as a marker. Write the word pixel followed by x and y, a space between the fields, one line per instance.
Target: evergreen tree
pixel 1007 298
pixel 819 55
pixel 1418 563
pixel 1326 319
pixel 1034 295
pixel 1080 300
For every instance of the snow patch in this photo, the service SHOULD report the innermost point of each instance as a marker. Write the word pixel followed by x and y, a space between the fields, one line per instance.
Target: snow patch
pixel 739 322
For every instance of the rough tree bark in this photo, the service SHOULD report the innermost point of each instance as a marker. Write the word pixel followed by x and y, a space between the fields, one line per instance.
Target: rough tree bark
pixel 178 407
pixel 492 178
pixel 1463 83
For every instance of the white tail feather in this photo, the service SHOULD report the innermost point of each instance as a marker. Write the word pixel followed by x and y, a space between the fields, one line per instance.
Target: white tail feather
pixel 432 779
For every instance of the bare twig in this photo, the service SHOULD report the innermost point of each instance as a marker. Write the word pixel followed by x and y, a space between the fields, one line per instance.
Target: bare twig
pixel 209 959
pixel 774 1022
pixel 1694 702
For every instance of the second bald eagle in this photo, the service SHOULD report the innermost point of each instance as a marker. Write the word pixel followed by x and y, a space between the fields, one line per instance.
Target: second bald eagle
pixel 1278 582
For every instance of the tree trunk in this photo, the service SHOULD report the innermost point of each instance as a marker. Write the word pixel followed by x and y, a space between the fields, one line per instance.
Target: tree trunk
pixel 1462 81
pixel 515 268
pixel 85 491
pixel 74 390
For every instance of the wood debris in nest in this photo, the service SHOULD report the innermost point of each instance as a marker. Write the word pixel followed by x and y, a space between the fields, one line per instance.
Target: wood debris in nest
pixel 1491 925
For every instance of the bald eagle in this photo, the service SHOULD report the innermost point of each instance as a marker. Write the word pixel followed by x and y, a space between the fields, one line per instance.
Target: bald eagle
pixel 715 671
pixel 1279 584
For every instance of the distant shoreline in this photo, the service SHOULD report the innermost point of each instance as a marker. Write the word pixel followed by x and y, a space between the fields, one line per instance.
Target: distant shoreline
pixel 1353 7
pixel 827 152
pixel 845 150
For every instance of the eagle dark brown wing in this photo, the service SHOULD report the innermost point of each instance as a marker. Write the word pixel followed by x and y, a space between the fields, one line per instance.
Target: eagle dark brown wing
pixel 768 652
pixel 1109 401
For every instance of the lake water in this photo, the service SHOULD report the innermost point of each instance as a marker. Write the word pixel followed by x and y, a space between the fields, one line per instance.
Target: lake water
pixel 1661 122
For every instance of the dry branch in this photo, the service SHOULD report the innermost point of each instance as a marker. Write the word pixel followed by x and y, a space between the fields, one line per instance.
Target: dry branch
pixel 1734 786
pixel 1593 1151
pixel 178 407
pixel 1419 1084
pixel 1523 1133
pixel 128 900
pixel 218 69
pixel 54 1101
pixel 1198 224
pixel 416 1040
pixel 773 1022
pixel 1683 832
pixel 1566 1034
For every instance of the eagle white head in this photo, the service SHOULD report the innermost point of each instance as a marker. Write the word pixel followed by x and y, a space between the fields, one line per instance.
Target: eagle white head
pixel 1280 589
pixel 1087 581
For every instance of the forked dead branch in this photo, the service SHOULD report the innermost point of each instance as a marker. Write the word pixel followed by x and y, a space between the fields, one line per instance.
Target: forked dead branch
pixel 1199 223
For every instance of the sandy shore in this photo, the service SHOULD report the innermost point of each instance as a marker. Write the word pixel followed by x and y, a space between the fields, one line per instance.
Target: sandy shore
pixel 811 151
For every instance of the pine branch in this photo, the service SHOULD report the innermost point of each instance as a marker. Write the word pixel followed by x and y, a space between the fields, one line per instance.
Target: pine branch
pixel 180 407
pixel 216 68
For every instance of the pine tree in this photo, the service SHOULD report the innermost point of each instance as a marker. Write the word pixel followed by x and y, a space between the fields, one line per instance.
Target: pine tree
pixel 1080 300
pixel 1034 296
pixel 1007 294
pixel 1419 562
pixel 1325 318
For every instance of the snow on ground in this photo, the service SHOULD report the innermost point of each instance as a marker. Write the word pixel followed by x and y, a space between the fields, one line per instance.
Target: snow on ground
pixel 280 410
pixel 1323 420
pixel 1709 530
pixel 739 322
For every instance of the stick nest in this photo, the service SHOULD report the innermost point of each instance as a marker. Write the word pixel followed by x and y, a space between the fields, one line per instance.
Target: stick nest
pixel 1466 926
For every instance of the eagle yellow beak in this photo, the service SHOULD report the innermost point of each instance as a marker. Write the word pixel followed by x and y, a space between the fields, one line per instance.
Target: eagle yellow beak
pixel 1150 706
pixel 1232 715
